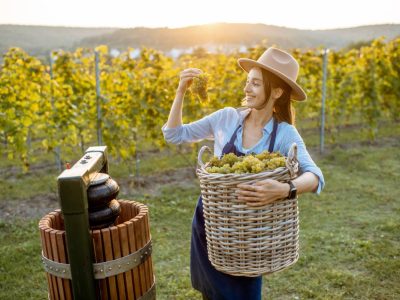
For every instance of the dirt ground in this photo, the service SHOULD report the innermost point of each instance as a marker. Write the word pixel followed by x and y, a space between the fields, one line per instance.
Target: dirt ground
pixel 39 205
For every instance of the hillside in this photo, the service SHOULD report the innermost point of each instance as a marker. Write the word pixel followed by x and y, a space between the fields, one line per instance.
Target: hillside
pixel 39 40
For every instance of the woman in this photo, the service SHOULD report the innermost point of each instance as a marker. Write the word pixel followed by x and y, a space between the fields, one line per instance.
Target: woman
pixel 267 122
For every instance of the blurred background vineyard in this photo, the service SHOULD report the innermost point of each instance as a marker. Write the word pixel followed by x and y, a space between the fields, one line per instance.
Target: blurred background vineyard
pixel 50 106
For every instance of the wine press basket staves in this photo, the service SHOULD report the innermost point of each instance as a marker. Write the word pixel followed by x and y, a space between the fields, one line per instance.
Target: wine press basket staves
pixel 243 240
pixel 123 266
pixel 96 247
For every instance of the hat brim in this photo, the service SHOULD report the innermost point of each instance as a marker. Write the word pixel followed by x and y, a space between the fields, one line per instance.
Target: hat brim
pixel 297 92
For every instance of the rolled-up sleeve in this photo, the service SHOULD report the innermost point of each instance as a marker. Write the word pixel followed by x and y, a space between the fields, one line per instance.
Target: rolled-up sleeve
pixel 192 132
pixel 306 163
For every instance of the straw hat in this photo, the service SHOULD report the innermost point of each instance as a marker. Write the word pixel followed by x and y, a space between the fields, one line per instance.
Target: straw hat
pixel 281 64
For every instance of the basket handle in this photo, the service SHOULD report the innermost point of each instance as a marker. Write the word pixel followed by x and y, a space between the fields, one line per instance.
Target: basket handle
pixel 292 163
pixel 199 157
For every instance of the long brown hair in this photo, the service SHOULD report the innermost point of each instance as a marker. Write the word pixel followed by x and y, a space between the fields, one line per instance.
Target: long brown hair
pixel 283 108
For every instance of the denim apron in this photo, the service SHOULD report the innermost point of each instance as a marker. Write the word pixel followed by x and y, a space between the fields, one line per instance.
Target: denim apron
pixel 214 284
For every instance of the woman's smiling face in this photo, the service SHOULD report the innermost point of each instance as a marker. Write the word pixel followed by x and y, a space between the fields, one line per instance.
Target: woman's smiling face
pixel 254 89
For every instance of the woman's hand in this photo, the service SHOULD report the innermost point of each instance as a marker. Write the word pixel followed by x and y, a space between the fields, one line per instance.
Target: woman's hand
pixel 262 192
pixel 186 78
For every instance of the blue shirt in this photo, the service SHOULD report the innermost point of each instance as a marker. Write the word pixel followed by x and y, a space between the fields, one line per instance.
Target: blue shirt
pixel 220 125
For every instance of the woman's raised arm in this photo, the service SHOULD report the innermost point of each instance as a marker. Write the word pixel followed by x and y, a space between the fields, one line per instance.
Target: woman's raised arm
pixel 186 79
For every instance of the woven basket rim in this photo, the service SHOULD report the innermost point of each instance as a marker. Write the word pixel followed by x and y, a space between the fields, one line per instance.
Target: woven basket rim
pixel 292 166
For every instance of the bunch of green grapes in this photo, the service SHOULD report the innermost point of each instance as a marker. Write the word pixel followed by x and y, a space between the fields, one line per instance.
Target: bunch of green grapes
pixel 230 163
pixel 214 162
pixel 225 169
pixel 250 164
pixel 230 159
pixel 265 155
pixel 200 85
pixel 275 162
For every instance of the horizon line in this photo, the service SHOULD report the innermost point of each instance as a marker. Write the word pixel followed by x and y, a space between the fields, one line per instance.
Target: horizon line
pixel 194 25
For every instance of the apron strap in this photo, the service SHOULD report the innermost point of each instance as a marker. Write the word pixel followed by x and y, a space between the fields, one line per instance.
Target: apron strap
pixel 273 136
pixel 230 147
pixel 233 137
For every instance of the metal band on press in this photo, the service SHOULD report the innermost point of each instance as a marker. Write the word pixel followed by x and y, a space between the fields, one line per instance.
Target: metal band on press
pixel 104 269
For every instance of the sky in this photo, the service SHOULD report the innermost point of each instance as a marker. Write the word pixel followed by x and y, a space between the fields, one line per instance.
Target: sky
pixel 301 14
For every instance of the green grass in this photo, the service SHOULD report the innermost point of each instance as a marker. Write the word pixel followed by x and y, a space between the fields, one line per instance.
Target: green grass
pixel 44 182
pixel 349 235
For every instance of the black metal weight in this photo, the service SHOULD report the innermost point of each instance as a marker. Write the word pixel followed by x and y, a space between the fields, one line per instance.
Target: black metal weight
pixel 103 208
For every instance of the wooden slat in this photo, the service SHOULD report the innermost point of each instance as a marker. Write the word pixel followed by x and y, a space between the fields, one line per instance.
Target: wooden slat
pixel 50 251
pixel 53 241
pixel 149 260
pixel 50 248
pixel 99 257
pixel 135 210
pixel 117 254
pixel 108 254
pixel 123 216
pixel 53 216
pixel 50 256
pixel 146 239
pixel 57 219
pixel 123 235
pixel 63 258
pixel 139 244
pixel 142 236
pixel 43 225
pixel 132 248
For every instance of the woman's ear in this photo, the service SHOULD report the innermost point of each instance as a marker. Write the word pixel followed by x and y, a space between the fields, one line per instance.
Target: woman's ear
pixel 277 92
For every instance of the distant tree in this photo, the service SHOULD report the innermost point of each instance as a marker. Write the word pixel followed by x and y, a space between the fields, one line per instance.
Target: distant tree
pixel 357 45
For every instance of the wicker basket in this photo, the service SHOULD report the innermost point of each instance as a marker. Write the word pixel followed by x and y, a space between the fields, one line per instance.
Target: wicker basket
pixel 243 240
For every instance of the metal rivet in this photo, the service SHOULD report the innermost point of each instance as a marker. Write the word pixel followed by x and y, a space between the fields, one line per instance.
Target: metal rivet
pixel 101 270
pixel 56 270
pixel 128 263
pixel 119 266
pixel 109 268
pixel 63 271
pixel 51 268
